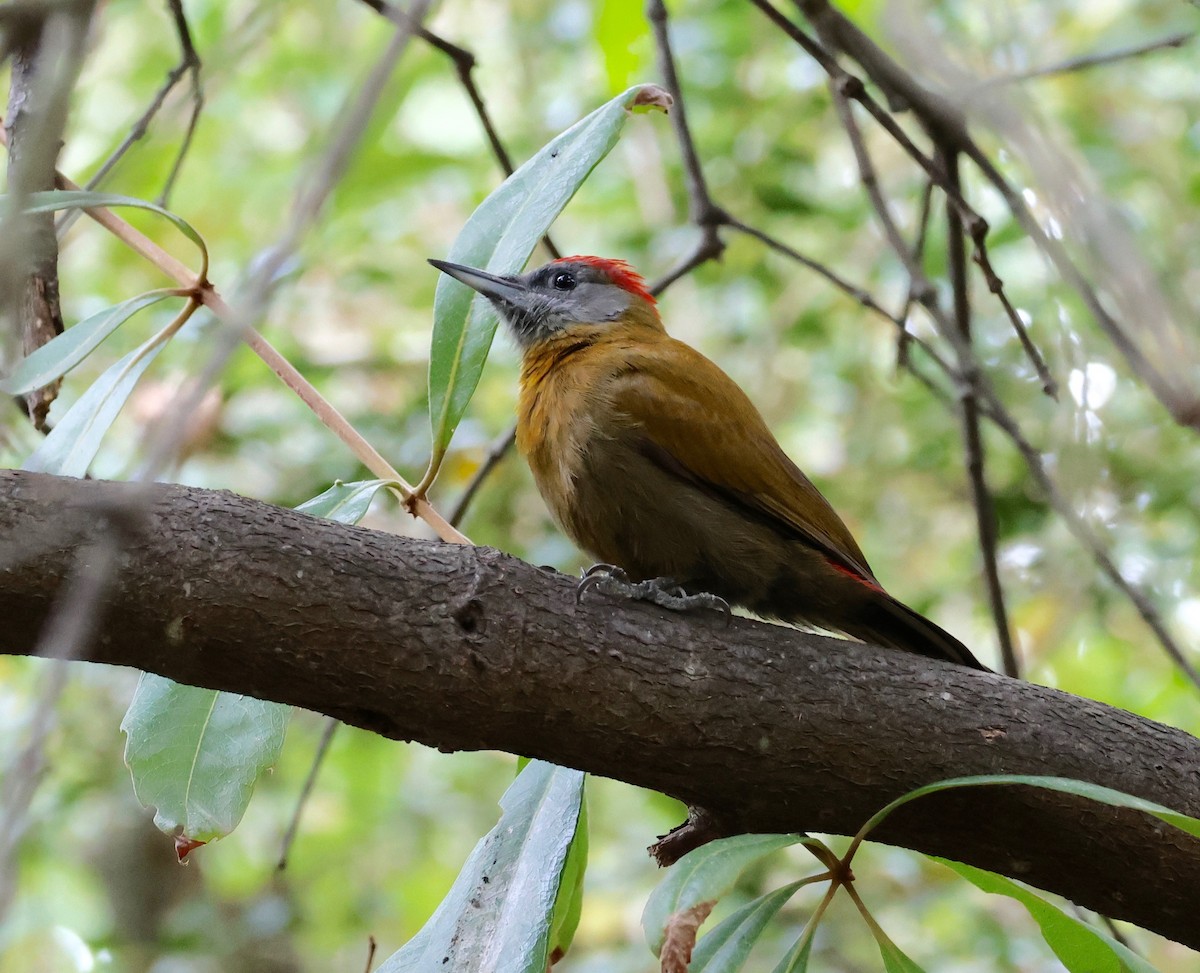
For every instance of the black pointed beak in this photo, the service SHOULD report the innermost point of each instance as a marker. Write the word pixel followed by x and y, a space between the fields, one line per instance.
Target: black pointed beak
pixel 505 290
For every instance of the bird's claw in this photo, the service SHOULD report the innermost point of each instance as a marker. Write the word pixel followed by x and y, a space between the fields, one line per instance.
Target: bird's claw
pixel 609 579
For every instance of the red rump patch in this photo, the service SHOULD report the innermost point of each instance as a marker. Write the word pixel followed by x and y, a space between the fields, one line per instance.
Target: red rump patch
pixel 619 272
pixel 850 573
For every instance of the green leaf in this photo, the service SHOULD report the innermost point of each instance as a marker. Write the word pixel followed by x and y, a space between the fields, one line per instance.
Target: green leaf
pixel 75 439
pixel 704 875
pixel 619 25
pixel 497 915
pixel 726 948
pixel 1081 948
pixel 796 959
pixel 59 356
pixel 54 200
pixel 895 960
pixel 568 907
pixel 1095 792
pixel 499 237
pixel 346 503
pixel 195 754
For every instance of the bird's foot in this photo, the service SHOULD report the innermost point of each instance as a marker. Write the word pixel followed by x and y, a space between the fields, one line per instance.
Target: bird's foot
pixel 609 579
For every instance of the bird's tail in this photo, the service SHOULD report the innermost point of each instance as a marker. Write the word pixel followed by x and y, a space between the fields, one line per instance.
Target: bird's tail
pixel 891 623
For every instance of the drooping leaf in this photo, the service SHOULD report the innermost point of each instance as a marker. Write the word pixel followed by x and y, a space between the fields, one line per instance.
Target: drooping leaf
pixel 1094 792
pixel 54 200
pixel 196 754
pixel 1080 947
pixel 704 875
pixel 499 237
pixel 59 356
pixel 75 439
pixel 497 916
pixel 726 948
pixel 347 503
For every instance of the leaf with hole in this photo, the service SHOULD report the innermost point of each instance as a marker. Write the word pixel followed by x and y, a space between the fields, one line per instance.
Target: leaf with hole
pixel 498 238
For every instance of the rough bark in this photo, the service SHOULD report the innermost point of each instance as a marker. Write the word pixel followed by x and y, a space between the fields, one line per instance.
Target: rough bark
pixel 465 648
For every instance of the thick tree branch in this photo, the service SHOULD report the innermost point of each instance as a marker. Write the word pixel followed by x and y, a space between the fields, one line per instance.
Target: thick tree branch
pixel 465 648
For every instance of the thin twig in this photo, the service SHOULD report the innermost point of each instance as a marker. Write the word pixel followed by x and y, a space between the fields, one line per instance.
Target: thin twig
pixel 464 66
pixel 904 341
pixel 702 211
pixel 1086 61
pixel 310 782
pixel 189 64
pixel 981 494
pixel 496 452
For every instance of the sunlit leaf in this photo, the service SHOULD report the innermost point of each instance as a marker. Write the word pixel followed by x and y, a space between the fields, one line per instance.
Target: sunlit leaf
pixel 704 875
pixel 1080 947
pixel 346 503
pixel 59 356
pixel 75 439
pixel 499 237
pixel 726 948
pixel 195 754
pixel 497 915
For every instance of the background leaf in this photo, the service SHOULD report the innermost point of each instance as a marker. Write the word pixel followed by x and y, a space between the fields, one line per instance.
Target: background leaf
pixel 75 439
pixel 59 356
pixel 1080 947
pixel 704 875
pixel 195 754
pixel 727 947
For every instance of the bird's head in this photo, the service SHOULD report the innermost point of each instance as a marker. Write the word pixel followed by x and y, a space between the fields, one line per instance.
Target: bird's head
pixel 562 294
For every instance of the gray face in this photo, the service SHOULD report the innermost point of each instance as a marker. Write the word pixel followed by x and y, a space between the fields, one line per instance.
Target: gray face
pixel 545 300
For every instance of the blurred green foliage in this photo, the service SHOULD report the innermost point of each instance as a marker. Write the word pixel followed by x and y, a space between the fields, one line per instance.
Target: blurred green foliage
pixel 389 825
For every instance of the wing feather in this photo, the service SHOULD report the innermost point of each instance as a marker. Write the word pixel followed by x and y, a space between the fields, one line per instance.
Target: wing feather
pixel 698 423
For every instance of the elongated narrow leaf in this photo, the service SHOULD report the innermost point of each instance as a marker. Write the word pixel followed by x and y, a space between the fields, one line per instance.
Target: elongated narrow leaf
pixel 346 503
pixel 55 200
pixel 1094 792
pixel 704 875
pixel 796 958
pixel 195 754
pixel 499 237
pixel 569 906
pixel 75 439
pixel 497 915
pixel 726 948
pixel 59 356
pixel 895 960
pixel 1081 948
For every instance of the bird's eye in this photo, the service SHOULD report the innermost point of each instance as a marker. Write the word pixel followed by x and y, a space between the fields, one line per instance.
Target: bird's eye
pixel 564 282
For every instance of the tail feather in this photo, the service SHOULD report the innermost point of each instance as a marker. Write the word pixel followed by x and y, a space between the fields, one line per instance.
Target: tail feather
pixel 894 624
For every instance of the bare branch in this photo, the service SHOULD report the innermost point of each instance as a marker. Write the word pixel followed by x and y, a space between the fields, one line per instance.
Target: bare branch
pixel 1087 61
